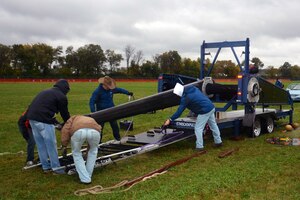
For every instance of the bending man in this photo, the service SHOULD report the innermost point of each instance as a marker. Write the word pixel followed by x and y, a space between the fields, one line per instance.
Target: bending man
pixel 198 103
pixel 79 129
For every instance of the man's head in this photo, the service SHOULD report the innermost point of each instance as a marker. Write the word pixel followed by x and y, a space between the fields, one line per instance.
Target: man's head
pixel 108 83
pixel 178 89
pixel 63 85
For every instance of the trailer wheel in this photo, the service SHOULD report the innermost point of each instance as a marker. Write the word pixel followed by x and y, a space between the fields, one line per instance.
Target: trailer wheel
pixel 255 131
pixel 269 125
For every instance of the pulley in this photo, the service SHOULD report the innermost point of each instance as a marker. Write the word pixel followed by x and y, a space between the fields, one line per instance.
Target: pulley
pixel 253 90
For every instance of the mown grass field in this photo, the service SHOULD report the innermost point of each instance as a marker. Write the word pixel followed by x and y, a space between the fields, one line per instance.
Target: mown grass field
pixel 257 171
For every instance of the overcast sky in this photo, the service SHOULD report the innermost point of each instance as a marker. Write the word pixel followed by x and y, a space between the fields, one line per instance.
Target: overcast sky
pixel 157 26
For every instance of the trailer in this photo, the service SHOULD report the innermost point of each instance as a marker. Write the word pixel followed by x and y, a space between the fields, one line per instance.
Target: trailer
pixel 256 96
pixel 255 103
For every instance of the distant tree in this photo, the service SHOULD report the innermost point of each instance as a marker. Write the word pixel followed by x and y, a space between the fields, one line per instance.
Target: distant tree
pixel 295 72
pixel 134 70
pixel 44 56
pixel 272 72
pixel 190 67
pixel 170 62
pixel 58 57
pixel 23 60
pixel 232 71
pixel 257 62
pixel 137 58
pixel 90 60
pixel 129 52
pixel 71 61
pixel 5 59
pixel 225 68
pixel 113 59
pixel 285 70
pixel 150 69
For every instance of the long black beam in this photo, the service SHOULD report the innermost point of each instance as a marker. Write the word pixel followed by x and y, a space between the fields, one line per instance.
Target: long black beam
pixel 157 102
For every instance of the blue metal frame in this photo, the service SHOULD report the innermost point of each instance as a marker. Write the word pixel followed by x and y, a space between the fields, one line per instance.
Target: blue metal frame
pixel 242 79
pixel 244 75
pixel 220 45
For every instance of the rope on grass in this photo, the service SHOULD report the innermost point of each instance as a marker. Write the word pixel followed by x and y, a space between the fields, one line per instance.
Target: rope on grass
pixel 10 153
pixel 98 189
pixel 128 184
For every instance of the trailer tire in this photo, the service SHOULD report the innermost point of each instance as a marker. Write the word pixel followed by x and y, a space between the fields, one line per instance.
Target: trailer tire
pixel 255 130
pixel 268 125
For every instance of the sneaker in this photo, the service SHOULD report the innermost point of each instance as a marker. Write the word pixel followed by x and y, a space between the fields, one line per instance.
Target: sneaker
pixel 85 183
pixel 218 145
pixel 59 172
pixel 47 171
pixel 116 142
pixel 199 149
pixel 29 163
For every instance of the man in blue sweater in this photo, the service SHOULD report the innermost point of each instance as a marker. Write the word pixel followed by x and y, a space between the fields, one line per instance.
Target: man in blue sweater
pixel 102 98
pixel 199 104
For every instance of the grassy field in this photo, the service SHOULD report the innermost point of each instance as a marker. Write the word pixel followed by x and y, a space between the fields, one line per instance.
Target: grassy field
pixel 257 171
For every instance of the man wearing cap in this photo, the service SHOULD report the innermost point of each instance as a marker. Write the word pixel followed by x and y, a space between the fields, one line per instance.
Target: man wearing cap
pixel 102 98
pixel 198 103
pixel 41 114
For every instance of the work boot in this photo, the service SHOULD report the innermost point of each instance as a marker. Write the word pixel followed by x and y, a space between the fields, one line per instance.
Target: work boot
pixel 218 145
pixel 199 149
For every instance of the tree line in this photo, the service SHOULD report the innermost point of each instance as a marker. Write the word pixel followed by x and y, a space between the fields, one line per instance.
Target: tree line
pixel 91 61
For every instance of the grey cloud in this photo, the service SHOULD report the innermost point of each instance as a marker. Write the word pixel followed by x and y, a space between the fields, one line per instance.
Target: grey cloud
pixel 156 26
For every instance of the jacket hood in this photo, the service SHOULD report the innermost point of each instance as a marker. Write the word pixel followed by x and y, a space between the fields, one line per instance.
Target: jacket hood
pixel 189 89
pixel 63 85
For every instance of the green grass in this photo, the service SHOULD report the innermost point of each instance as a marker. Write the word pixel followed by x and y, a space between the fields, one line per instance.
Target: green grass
pixel 257 171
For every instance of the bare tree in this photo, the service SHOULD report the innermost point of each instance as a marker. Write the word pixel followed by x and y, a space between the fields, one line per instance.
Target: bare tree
pixel 138 57
pixel 129 51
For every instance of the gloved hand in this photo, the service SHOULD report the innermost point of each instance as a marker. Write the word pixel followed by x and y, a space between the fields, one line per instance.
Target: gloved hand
pixel 130 93
pixel 64 152
pixel 58 126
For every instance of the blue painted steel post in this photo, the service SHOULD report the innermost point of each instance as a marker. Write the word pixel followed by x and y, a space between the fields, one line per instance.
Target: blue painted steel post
pixel 247 53
pixel 202 60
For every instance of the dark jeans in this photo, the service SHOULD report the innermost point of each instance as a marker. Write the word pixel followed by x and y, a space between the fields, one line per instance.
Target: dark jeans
pixel 30 147
pixel 30 144
pixel 115 129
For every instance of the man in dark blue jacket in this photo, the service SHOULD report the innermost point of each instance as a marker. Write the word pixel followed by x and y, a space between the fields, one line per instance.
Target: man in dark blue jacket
pixel 41 115
pixel 198 103
pixel 102 98
pixel 278 83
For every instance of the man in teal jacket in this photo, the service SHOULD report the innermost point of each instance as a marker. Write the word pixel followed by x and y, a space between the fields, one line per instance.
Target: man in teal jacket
pixel 198 103
pixel 102 98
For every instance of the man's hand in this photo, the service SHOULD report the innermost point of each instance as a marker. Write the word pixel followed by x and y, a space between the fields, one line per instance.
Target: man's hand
pixel 58 126
pixel 167 122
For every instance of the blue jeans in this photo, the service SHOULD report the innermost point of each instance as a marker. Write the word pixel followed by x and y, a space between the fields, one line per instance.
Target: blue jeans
pixel 85 170
pixel 45 138
pixel 200 124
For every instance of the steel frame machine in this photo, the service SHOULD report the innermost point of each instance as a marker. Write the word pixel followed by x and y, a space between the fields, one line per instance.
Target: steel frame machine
pixel 251 92
pixel 261 100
